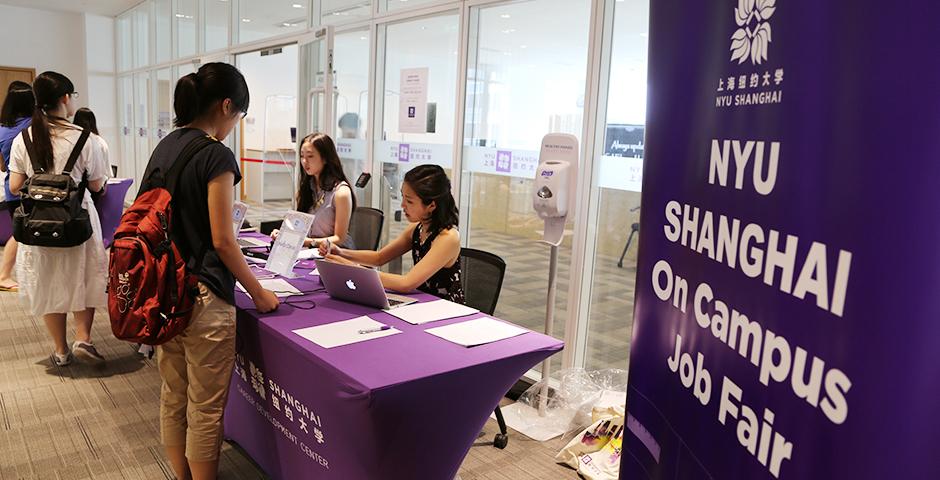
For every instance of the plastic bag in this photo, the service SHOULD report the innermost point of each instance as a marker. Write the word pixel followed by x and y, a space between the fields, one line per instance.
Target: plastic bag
pixel 574 394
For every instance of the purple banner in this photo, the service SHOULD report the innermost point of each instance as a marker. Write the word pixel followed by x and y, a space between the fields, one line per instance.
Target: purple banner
pixel 785 320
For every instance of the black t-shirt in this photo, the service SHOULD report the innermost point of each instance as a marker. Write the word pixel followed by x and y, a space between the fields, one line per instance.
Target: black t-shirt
pixel 191 229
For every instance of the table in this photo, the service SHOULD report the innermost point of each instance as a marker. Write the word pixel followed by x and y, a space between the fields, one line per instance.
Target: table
pixel 110 207
pixel 407 406
pixel 6 224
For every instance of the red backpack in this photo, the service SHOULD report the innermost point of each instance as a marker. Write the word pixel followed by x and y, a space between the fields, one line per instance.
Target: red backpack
pixel 150 290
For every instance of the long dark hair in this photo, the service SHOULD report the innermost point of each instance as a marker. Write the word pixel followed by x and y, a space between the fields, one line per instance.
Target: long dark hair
pixel 331 176
pixel 19 103
pixel 431 184
pixel 85 118
pixel 49 88
pixel 199 92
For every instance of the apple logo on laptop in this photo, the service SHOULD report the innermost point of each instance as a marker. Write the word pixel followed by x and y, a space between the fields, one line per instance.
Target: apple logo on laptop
pixel 350 284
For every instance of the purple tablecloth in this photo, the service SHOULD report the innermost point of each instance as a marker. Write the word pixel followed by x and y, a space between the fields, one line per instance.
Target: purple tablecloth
pixel 6 225
pixel 407 406
pixel 110 207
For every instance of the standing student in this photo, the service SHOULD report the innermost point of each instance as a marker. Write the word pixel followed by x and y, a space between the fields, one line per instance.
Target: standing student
pixel 324 192
pixel 54 281
pixel 85 118
pixel 432 238
pixel 196 365
pixel 15 115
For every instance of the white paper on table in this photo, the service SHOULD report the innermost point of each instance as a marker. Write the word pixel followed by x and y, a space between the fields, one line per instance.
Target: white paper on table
pixel 309 253
pixel 475 332
pixel 315 272
pixel 345 332
pixel 280 287
pixel 420 313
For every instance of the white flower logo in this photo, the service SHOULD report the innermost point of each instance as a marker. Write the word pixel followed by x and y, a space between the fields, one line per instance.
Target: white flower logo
pixel 747 42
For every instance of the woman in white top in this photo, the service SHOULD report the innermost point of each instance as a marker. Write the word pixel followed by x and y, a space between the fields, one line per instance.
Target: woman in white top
pixel 324 192
pixel 54 281
pixel 84 118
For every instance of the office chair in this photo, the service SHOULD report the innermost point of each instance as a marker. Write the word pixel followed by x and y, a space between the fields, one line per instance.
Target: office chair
pixel 482 276
pixel 366 227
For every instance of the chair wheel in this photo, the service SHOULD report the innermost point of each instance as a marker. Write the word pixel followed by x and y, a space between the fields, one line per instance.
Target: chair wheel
pixel 500 441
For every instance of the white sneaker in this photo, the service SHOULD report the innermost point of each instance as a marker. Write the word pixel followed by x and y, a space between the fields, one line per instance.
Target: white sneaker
pixel 61 360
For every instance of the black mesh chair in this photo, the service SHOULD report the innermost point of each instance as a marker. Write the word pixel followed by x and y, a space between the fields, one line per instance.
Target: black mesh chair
pixel 366 227
pixel 482 276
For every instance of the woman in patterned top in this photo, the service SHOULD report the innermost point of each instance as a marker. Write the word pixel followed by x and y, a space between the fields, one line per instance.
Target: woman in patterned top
pixel 432 238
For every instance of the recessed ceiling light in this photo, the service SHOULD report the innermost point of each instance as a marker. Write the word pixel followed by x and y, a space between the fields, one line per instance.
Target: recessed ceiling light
pixel 505 15
pixel 285 24
pixel 246 20
pixel 523 47
pixel 297 5
pixel 363 38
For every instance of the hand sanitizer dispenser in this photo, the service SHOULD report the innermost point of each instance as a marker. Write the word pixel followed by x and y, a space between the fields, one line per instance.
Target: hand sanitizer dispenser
pixel 555 183
pixel 551 189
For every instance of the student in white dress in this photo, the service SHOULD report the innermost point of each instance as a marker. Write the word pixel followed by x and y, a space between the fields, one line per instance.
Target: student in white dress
pixel 55 281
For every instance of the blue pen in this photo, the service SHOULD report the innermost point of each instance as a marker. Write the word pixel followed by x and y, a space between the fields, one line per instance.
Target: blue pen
pixel 374 330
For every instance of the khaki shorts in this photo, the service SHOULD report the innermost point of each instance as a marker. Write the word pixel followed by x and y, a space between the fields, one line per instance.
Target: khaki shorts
pixel 196 367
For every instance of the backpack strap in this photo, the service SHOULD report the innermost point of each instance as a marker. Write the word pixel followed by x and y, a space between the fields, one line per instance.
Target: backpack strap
pixel 76 151
pixel 31 152
pixel 172 177
pixel 194 146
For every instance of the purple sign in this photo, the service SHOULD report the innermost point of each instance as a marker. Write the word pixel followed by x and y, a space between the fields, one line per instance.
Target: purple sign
pixel 503 161
pixel 403 152
pixel 785 323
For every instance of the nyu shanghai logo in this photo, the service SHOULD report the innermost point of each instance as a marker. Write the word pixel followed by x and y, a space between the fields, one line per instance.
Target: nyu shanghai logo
pixel 760 83
pixel 752 38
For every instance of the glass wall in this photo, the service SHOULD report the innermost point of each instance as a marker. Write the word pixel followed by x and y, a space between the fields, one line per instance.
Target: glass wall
pixel 264 19
pixel 334 12
pixel 618 181
pixel 525 76
pixel 393 5
pixel 216 24
pixel 141 123
pixel 161 14
pixel 267 153
pixel 425 48
pixel 524 79
pixel 351 82
pixel 185 18
pixel 127 167
pixel 162 105
pixel 141 43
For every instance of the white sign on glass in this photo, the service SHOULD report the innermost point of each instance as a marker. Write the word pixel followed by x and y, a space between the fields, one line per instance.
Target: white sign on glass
pixel 413 101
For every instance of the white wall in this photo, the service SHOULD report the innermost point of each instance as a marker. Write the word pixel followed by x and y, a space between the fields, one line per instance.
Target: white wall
pixel 79 46
pixel 45 40
pixel 102 84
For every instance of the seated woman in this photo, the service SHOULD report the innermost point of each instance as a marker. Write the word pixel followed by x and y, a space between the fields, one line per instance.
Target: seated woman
pixel 432 238
pixel 324 192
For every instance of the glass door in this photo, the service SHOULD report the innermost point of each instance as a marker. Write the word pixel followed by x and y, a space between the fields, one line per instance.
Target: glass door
pixel 268 133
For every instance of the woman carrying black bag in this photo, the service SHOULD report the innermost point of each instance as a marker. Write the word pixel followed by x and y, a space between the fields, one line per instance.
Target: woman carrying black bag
pixel 54 280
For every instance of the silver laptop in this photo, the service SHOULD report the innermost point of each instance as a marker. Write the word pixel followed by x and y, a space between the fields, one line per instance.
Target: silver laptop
pixel 239 210
pixel 357 284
